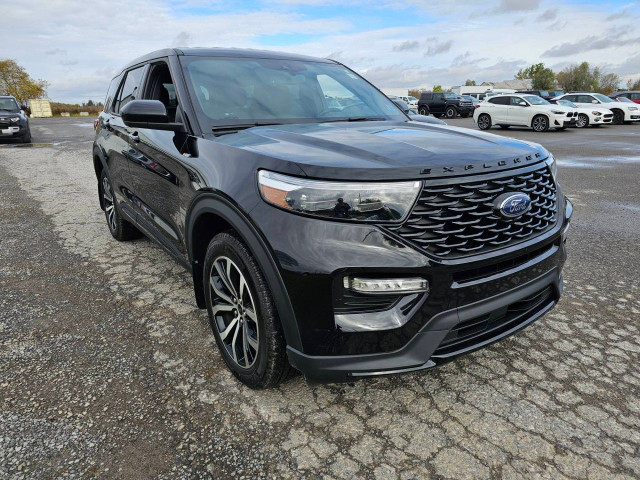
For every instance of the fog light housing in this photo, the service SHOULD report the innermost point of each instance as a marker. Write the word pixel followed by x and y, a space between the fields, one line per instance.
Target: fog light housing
pixel 385 286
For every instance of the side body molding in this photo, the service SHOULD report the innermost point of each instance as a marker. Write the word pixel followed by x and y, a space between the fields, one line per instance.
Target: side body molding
pixel 222 207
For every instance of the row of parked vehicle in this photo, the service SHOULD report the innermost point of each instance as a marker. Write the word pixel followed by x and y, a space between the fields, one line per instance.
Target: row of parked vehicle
pixel 574 109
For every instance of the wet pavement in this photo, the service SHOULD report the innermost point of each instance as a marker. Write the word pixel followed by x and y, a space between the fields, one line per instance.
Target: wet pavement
pixel 108 369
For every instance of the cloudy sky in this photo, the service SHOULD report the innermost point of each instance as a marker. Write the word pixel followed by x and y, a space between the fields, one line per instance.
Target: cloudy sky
pixel 77 46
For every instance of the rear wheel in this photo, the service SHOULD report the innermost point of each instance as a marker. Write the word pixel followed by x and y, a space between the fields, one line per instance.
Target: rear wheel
pixel 540 123
pixel 450 112
pixel 120 229
pixel 242 314
pixel 484 121
pixel 618 117
pixel 423 111
pixel 583 121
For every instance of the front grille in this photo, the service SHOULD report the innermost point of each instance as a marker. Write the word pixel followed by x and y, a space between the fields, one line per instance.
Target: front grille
pixel 608 115
pixel 457 220
pixel 481 329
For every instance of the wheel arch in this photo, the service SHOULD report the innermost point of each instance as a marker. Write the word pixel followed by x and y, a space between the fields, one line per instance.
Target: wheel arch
pixel 211 213
pixel 99 165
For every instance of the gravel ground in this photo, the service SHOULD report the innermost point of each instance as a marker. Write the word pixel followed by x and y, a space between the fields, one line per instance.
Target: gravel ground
pixel 108 369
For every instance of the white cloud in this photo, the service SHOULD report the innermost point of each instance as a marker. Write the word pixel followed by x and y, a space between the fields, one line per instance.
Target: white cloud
pixel 77 51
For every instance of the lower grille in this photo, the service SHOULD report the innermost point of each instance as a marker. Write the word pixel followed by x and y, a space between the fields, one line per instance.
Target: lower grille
pixel 458 220
pixel 478 330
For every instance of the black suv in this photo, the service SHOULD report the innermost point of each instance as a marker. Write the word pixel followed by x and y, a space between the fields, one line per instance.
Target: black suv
pixel 14 124
pixel 325 231
pixel 444 103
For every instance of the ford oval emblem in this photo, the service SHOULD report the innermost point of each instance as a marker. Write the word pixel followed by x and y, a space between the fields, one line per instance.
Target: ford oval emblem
pixel 511 205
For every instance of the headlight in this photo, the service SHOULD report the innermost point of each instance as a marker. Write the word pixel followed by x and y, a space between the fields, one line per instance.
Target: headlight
pixel 15 119
pixel 387 202
pixel 596 113
pixel 553 166
pixel 557 112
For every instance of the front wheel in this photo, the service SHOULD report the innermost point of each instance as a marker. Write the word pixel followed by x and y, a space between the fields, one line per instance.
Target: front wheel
pixel 242 314
pixel 540 123
pixel 618 117
pixel 450 112
pixel 583 121
pixel 484 121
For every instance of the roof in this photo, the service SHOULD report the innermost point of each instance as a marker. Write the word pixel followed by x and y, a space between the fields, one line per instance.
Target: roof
pixel 224 52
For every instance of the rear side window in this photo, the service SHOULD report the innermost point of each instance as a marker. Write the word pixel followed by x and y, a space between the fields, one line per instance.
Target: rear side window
pixel 111 93
pixel 499 100
pixel 634 96
pixel 129 88
pixel 426 96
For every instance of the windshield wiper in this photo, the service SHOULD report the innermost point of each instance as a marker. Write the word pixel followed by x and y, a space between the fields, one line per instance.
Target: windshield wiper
pixel 354 119
pixel 224 129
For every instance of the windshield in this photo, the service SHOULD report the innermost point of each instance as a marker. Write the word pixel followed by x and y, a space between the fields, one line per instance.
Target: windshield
pixel 602 98
pixel 413 99
pixel 467 98
pixel 9 105
pixel 450 95
pixel 567 103
pixel 544 93
pixel 535 100
pixel 249 91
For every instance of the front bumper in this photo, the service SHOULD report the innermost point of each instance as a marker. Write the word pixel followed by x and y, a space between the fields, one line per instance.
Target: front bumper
pixel 10 131
pixel 429 347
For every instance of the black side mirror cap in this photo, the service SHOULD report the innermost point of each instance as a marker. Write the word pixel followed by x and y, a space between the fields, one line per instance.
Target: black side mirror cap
pixel 148 114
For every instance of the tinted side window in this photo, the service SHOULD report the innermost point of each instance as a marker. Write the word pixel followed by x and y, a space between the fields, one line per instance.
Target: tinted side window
pixel 499 100
pixel 516 101
pixel 634 96
pixel 129 88
pixel 111 93
pixel 438 96
pixel 585 98
pixel 426 96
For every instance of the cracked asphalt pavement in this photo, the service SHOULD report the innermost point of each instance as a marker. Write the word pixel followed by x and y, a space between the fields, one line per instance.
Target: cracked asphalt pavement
pixel 108 369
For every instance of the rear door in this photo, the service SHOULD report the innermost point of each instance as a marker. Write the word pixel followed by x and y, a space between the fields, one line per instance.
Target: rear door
pixel 499 110
pixel 438 103
pixel 116 139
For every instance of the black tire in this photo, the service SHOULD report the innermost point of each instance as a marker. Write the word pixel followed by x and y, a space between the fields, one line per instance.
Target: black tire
pixel 27 138
pixel 270 365
pixel 540 123
pixel 120 228
pixel 484 121
pixel 504 127
pixel 618 117
pixel 450 112
pixel 423 111
pixel 583 121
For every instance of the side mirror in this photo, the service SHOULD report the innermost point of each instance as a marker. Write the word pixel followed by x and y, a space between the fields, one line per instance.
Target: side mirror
pixel 148 114
pixel 401 105
pixel 523 104
pixel 595 101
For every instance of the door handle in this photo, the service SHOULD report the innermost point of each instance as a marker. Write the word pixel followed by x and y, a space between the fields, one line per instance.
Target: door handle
pixel 134 137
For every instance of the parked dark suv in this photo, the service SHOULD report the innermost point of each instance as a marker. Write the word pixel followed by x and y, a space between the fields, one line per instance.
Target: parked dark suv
pixel 14 124
pixel 324 230
pixel 444 103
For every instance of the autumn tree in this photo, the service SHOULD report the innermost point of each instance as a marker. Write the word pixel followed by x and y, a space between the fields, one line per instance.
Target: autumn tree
pixel 579 78
pixel 437 88
pixel 15 81
pixel 609 83
pixel 542 78
pixel 633 84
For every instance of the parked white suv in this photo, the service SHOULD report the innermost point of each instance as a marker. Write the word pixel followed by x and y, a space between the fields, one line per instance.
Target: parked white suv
pixel 594 116
pixel 622 112
pixel 523 110
pixel 411 101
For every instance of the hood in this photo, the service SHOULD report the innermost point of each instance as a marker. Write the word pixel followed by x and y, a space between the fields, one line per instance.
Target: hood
pixel 385 150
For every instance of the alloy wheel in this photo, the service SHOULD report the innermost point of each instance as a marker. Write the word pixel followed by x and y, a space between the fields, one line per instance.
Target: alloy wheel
pixel 583 120
pixel 234 312
pixel 539 124
pixel 109 205
pixel 483 122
